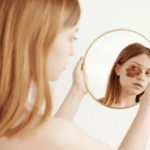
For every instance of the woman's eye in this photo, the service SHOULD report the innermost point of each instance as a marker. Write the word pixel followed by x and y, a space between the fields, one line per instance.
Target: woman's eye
pixel 148 74
pixel 134 68
pixel 73 39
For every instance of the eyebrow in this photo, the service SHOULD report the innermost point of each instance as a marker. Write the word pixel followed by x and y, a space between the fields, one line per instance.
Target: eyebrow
pixel 138 64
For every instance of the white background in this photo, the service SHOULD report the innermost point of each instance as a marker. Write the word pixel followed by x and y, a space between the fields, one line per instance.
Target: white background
pixel 99 16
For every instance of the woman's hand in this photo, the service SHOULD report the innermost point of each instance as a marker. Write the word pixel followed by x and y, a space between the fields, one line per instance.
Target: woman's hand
pixel 138 133
pixel 145 98
pixel 75 95
pixel 78 79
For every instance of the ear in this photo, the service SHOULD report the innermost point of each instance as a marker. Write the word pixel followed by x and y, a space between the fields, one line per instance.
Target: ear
pixel 117 70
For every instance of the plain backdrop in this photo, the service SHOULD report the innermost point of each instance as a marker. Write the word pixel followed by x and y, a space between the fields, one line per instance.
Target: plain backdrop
pixel 99 16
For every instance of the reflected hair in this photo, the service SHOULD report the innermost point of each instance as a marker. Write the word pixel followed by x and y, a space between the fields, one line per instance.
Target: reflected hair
pixel 28 29
pixel 113 86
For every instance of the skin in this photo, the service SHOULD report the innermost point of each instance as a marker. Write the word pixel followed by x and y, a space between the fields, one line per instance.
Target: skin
pixel 133 72
pixel 61 134
pixel 58 59
pixel 61 50
pixel 70 105
pixel 75 138
pixel 137 135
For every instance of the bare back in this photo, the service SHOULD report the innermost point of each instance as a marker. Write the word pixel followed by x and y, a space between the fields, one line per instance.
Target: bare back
pixel 56 134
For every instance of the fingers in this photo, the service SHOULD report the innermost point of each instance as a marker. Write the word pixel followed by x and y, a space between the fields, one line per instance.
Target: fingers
pixel 147 88
pixel 145 97
pixel 78 76
pixel 79 64
pixel 81 61
pixel 83 65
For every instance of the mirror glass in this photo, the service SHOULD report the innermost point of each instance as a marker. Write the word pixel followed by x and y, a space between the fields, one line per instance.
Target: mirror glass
pixel 100 58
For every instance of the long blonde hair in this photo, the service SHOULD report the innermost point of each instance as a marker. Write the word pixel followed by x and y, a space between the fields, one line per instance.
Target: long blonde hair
pixel 27 31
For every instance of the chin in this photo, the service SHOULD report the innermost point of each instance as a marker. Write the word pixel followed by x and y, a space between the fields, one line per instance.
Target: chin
pixel 135 92
pixel 55 78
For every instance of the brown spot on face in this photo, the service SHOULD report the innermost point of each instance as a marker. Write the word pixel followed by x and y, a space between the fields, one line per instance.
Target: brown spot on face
pixel 133 71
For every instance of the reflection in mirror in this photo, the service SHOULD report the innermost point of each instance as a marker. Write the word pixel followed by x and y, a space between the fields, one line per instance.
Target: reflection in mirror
pixel 117 66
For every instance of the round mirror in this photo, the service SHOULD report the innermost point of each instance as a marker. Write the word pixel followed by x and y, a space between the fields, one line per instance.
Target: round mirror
pixel 106 57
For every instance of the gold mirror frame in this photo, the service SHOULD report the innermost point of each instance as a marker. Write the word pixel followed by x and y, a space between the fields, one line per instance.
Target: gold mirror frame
pixel 87 53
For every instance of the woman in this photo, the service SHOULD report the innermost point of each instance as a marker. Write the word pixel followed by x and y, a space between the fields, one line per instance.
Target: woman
pixel 36 38
pixel 129 77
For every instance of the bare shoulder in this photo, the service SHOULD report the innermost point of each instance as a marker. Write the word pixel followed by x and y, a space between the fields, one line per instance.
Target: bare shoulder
pixel 57 134
pixel 65 135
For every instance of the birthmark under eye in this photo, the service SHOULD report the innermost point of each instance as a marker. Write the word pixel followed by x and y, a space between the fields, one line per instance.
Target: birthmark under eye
pixel 131 72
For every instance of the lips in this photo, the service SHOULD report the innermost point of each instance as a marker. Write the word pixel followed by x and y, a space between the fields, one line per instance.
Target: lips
pixel 138 84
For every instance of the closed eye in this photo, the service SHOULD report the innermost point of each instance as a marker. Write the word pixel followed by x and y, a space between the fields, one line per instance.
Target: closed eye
pixel 73 39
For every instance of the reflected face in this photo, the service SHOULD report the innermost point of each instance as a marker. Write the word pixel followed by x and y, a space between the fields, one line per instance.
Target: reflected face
pixel 135 74
pixel 60 52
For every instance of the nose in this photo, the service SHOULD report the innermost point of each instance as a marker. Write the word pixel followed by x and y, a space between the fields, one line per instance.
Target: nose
pixel 141 76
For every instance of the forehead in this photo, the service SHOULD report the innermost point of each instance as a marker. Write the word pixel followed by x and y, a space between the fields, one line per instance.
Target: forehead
pixel 142 60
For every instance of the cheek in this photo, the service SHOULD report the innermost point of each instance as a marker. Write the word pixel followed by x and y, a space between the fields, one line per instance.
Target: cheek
pixel 148 81
pixel 124 79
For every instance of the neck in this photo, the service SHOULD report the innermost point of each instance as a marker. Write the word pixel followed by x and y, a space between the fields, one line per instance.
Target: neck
pixel 126 99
